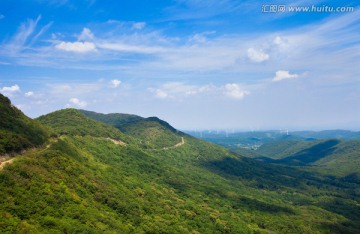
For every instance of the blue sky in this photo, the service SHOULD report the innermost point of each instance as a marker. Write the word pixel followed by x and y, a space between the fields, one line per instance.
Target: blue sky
pixel 215 64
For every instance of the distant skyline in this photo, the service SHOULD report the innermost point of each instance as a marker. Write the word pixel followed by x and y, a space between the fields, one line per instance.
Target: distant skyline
pixel 215 64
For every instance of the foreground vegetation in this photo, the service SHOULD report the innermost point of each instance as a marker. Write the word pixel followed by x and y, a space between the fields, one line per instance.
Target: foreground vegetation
pixel 81 182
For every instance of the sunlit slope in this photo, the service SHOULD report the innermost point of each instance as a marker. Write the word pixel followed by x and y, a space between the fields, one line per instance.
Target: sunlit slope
pixel 73 122
pixel 114 119
pixel 150 132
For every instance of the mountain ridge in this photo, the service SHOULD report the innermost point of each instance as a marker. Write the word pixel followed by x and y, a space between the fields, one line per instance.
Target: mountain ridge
pixel 151 132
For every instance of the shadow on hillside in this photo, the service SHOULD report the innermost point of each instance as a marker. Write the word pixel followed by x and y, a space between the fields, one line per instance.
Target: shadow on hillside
pixel 343 227
pixel 237 201
pixel 252 204
pixel 278 177
pixel 311 154
pixel 346 209
pixel 258 174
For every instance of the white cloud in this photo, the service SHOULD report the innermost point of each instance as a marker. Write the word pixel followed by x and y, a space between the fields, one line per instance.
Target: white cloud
pixel 198 38
pixel 283 75
pixel 201 37
pixel 235 91
pixel 160 93
pixel 139 25
pixel 77 47
pixel 278 40
pixel 10 90
pixel 29 94
pixel 22 36
pixel 86 35
pixel 115 83
pixel 77 102
pixel 257 56
pixel 175 90
pixel 131 48
pixel 179 90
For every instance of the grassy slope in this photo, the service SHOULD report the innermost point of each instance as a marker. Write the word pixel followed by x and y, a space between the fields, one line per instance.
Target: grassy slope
pixel 17 131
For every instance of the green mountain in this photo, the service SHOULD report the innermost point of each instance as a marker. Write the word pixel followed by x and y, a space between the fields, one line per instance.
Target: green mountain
pixel 151 133
pixel 82 182
pixel 114 119
pixel 73 122
pixel 344 159
pixel 284 148
pixel 17 131
pixel 332 157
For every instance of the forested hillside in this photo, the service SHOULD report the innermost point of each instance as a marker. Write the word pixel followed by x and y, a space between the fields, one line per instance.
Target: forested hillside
pixel 17 131
pixel 81 181
pixel 114 119
pixel 151 133
pixel 73 122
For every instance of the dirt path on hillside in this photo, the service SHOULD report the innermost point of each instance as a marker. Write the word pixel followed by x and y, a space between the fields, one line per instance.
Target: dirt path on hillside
pixel 2 164
pixel 117 142
pixel 177 145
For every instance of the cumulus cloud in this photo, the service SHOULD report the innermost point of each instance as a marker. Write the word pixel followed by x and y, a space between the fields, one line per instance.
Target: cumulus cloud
pixel 77 47
pixel 257 56
pixel 10 90
pixel 29 94
pixel 139 25
pixel 77 102
pixel 283 75
pixel 235 91
pixel 115 83
pixel 86 35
